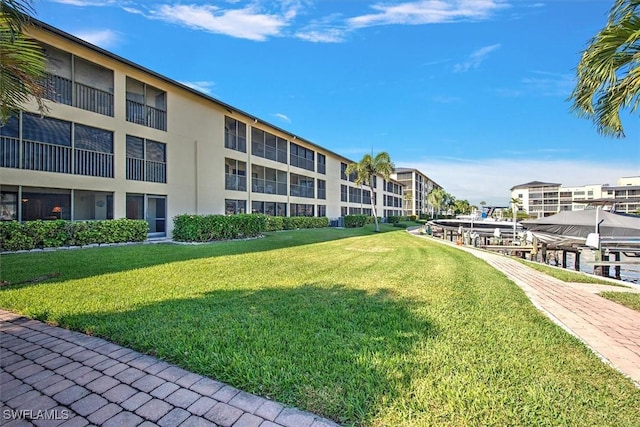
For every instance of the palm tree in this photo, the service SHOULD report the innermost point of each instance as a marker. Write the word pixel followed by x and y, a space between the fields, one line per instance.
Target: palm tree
pixel 22 64
pixel 365 171
pixel 436 198
pixel 608 73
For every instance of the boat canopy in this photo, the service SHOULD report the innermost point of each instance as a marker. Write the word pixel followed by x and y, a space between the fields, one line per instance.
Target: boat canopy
pixel 575 226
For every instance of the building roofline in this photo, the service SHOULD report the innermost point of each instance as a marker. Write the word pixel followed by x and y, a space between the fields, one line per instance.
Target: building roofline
pixel 401 169
pixel 46 27
pixel 536 184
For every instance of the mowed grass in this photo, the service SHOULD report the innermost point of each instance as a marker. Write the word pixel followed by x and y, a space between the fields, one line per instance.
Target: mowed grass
pixel 366 329
pixel 568 275
pixel 631 300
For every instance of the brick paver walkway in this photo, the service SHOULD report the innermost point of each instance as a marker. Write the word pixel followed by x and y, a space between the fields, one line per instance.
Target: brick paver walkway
pixel 610 330
pixel 51 376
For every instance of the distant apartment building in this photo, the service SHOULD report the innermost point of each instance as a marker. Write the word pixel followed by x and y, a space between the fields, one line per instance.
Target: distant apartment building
pixel 544 198
pixel 417 186
pixel 121 141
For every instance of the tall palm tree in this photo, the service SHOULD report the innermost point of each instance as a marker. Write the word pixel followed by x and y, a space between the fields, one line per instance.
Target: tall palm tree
pixel 608 73
pixel 22 64
pixel 365 171
pixel 436 198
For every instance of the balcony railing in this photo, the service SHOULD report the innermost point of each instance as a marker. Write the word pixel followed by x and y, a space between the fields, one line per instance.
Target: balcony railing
pixel 267 186
pixel 10 154
pixel 146 115
pixel 59 89
pixel 146 170
pixel 92 99
pixel 93 163
pixel 235 182
pixel 40 156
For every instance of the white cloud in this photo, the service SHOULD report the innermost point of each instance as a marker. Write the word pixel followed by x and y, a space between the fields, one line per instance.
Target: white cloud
pixel 246 23
pixel 427 12
pixel 203 86
pixel 475 59
pixel 550 84
pixel 331 35
pixel 102 38
pixel 283 117
pixel 491 179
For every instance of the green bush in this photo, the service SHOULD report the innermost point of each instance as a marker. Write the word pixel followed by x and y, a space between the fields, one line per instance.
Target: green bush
pixel 394 219
pixel 412 217
pixel 51 234
pixel 207 228
pixel 353 221
pixel 296 222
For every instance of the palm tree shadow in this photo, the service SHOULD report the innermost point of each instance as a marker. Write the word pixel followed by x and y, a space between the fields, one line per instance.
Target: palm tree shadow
pixel 331 350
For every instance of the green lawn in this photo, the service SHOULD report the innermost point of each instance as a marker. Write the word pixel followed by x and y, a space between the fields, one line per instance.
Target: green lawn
pixel 367 329
pixel 567 275
pixel 627 299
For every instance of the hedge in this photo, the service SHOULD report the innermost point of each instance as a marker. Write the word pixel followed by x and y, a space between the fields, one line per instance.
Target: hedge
pixel 353 221
pixel 207 228
pixel 15 236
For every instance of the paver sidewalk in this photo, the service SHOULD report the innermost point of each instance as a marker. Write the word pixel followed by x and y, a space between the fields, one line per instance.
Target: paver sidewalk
pixel 51 376
pixel 609 329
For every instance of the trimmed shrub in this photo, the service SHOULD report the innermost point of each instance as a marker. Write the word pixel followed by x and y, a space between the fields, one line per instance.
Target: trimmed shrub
pixel 394 219
pixel 51 234
pixel 207 228
pixel 412 217
pixel 354 221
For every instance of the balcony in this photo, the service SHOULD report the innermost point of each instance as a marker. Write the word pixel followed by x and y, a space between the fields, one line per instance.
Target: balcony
pixel 235 182
pixel 40 156
pixel 64 91
pixel 146 170
pixel 146 115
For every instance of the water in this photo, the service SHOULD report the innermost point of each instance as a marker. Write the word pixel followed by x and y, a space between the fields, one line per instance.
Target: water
pixel 628 273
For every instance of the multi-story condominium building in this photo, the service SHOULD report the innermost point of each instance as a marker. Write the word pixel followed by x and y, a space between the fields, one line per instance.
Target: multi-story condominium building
pixel 121 141
pixel 416 187
pixel 544 199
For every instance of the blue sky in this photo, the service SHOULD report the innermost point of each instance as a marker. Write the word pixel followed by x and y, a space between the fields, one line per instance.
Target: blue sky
pixel 471 92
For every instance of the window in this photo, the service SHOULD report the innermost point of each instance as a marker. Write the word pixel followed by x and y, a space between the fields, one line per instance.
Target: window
pixel 322 189
pixel 269 208
pixel 301 157
pixel 74 81
pixel 343 193
pixel 355 211
pixel 322 210
pixel 322 164
pixel 343 211
pixel 268 181
pixel 366 196
pixel 235 173
pixel 146 160
pixel 235 206
pixel 45 203
pixel 235 135
pixel 92 205
pixel 343 168
pixel 268 146
pixel 301 186
pixel 151 208
pixel 8 204
pixel 146 105
pixel 301 210
pixel 355 195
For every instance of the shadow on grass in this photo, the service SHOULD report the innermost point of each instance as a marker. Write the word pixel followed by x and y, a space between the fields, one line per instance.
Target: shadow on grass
pixel 334 351
pixel 29 269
